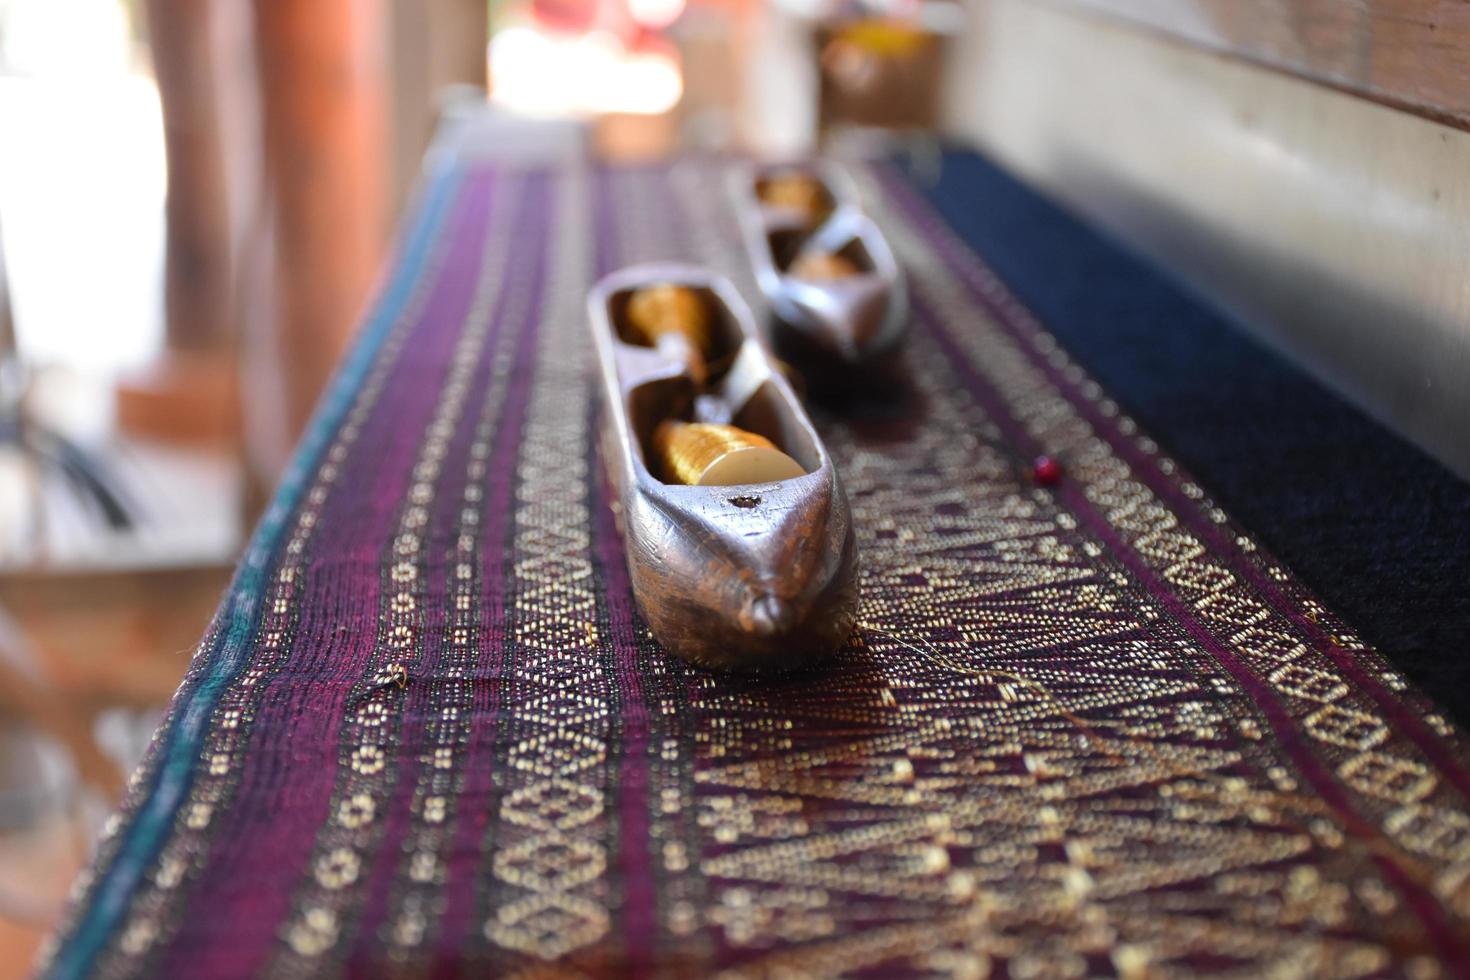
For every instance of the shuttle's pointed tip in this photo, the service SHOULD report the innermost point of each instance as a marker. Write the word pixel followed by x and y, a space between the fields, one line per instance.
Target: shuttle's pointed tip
pixel 770 616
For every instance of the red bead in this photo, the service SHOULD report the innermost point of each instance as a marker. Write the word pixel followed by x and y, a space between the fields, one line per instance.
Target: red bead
pixel 1046 471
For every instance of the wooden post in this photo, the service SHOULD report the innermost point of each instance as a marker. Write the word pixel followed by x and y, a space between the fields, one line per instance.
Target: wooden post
pixel 322 84
pixel 188 392
pixel 197 249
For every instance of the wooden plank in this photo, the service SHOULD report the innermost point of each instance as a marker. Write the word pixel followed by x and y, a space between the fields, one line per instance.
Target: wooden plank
pixel 1409 54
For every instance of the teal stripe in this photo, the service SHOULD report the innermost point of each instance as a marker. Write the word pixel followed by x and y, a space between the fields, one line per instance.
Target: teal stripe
pixel 144 836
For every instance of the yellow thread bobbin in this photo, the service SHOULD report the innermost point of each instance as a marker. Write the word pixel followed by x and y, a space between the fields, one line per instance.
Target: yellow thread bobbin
pixel 675 320
pixel 706 454
pixel 823 267
pixel 797 192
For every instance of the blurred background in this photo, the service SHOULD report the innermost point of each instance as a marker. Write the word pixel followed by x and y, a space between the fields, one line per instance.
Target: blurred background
pixel 197 195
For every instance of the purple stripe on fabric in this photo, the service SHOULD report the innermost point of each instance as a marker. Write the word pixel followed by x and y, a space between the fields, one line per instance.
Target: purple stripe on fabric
pixel 606 255
pixel 1282 726
pixel 295 751
pixel 635 857
pixel 475 805
pixel 1405 720
pixel 525 270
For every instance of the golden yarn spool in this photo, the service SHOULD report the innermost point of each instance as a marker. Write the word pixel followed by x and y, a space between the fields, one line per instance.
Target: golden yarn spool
pixel 669 308
pixel 822 267
pixel 675 320
pixel 707 454
pixel 797 192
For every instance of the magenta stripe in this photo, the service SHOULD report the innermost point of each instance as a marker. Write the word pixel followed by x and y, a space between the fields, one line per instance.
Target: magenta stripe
pixel 633 858
pixel 1406 720
pixel 1282 726
pixel 635 862
pixel 255 862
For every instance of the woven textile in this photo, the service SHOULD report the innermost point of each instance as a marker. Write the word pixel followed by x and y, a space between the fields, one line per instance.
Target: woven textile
pixel 1083 730
pixel 1378 530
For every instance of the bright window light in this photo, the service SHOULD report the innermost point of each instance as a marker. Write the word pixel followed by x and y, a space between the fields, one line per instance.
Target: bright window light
pixel 543 74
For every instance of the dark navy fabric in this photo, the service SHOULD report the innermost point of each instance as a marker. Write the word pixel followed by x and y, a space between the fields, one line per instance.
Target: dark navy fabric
pixel 1376 528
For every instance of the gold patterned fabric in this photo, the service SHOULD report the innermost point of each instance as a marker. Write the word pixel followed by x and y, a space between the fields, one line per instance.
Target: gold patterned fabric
pixel 1083 729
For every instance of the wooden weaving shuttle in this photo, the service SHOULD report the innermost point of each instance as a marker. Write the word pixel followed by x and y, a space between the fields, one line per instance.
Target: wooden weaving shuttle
pixel 741 576
pixel 836 291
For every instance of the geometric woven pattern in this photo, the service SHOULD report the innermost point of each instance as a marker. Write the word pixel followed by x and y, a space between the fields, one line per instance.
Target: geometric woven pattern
pixel 1084 730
